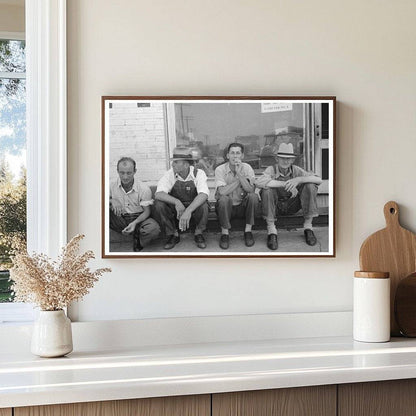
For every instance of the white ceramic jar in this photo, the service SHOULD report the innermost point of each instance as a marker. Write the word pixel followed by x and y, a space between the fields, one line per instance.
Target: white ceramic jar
pixel 52 334
pixel 371 307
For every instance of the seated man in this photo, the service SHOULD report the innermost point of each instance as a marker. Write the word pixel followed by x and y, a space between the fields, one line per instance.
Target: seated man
pixel 286 188
pixel 234 182
pixel 182 194
pixel 130 202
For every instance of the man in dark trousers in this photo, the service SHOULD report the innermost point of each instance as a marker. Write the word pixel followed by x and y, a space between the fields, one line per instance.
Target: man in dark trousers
pixel 287 188
pixel 130 202
pixel 182 195
pixel 234 182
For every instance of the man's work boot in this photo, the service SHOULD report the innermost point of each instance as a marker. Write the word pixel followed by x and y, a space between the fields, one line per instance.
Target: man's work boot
pixel 171 242
pixel 310 237
pixel 200 241
pixel 248 239
pixel 272 243
pixel 225 241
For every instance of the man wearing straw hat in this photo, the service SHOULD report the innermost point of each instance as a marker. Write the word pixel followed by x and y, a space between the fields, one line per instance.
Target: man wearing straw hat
pixel 182 195
pixel 287 188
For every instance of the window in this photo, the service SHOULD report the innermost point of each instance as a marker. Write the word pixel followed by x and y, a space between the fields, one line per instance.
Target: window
pixel 12 154
pixel 212 127
pixel 45 27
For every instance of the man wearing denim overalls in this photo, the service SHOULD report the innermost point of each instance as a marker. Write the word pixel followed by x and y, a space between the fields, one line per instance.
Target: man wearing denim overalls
pixel 287 188
pixel 182 195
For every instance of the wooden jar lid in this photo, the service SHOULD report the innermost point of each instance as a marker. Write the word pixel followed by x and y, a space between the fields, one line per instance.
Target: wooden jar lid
pixel 372 275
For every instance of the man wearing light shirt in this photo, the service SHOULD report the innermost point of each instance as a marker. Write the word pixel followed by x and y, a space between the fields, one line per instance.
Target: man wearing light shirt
pixel 234 182
pixel 130 202
pixel 287 188
pixel 182 195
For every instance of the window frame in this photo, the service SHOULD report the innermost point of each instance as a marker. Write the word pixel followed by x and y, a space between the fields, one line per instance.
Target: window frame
pixel 46 138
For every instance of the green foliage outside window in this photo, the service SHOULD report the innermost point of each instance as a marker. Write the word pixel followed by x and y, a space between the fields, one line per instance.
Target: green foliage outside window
pixel 12 224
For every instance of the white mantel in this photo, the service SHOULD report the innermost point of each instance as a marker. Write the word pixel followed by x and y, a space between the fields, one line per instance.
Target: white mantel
pixel 155 371
pixel 180 356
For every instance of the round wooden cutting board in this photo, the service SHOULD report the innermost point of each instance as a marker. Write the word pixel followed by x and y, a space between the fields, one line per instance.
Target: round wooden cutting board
pixel 393 250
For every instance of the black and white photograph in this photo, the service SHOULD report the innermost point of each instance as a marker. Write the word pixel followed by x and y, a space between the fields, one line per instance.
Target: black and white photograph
pixel 218 176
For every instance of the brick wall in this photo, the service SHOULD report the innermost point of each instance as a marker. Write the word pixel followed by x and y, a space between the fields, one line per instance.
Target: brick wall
pixel 139 133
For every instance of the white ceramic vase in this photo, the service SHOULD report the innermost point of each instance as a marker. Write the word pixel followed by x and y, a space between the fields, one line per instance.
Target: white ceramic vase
pixel 52 334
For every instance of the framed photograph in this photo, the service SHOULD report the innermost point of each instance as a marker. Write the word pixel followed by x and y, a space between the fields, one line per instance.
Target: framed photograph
pixel 218 177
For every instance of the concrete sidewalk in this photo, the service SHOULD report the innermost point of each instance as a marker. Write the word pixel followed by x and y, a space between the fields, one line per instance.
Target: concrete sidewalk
pixel 290 241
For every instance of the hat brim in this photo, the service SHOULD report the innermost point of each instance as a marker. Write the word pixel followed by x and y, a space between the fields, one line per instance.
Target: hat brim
pixel 173 159
pixel 287 155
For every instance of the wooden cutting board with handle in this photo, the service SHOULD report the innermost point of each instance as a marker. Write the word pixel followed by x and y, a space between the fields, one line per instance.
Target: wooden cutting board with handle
pixel 393 250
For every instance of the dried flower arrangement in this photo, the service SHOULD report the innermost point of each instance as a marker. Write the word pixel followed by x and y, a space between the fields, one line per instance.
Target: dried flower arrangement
pixel 53 285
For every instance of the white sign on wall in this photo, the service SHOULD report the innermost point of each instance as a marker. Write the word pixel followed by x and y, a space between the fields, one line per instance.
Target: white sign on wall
pixel 275 107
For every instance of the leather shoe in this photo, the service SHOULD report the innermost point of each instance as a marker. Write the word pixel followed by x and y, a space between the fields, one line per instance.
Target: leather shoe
pixel 171 242
pixel 310 237
pixel 249 239
pixel 224 241
pixel 136 244
pixel 200 241
pixel 272 243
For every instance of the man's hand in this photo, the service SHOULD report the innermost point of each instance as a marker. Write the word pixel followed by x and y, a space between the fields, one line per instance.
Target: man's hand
pixel 117 207
pixel 294 192
pixel 130 228
pixel 184 220
pixel 292 184
pixel 180 208
pixel 238 168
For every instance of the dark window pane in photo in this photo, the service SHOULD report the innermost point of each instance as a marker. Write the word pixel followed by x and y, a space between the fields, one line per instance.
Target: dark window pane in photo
pixel 325 121
pixel 325 163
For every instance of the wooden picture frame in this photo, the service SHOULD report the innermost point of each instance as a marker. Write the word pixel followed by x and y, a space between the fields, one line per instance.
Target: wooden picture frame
pixel 148 130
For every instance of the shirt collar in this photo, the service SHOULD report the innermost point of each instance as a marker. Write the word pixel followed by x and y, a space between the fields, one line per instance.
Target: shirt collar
pixel 135 186
pixel 190 176
pixel 278 173
pixel 228 168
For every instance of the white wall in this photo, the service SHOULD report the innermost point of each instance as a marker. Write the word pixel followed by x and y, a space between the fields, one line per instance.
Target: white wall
pixel 360 51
